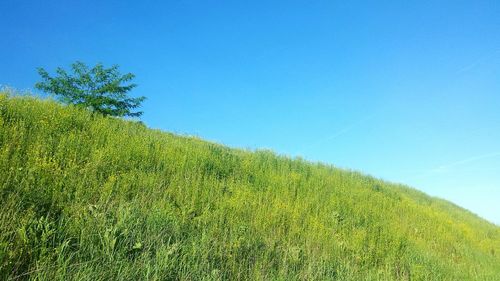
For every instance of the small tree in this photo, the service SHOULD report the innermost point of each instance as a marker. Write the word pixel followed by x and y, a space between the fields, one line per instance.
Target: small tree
pixel 99 89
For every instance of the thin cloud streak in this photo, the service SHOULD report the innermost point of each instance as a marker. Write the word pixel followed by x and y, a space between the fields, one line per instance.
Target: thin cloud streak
pixel 465 161
pixel 477 62
pixel 336 134
pixel 447 167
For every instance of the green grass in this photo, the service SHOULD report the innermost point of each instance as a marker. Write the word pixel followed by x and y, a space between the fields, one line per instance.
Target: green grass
pixel 85 197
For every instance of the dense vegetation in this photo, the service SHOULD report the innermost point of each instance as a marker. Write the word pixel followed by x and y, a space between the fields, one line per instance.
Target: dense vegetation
pixel 100 89
pixel 86 197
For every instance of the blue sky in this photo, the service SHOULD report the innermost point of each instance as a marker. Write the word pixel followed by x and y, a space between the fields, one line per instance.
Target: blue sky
pixel 408 91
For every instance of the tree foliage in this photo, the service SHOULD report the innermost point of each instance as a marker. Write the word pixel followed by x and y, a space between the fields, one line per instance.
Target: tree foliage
pixel 100 89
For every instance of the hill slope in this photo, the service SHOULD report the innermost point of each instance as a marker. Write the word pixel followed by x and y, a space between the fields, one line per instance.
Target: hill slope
pixel 93 198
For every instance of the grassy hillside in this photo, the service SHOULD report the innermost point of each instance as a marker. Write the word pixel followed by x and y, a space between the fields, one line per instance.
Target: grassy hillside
pixel 90 198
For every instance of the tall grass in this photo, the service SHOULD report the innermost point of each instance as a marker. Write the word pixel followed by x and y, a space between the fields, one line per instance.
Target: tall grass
pixel 85 197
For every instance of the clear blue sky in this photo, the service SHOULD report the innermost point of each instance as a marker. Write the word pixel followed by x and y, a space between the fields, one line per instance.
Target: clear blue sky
pixel 408 91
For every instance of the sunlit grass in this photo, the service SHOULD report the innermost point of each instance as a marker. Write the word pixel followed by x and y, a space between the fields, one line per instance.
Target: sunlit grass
pixel 85 197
